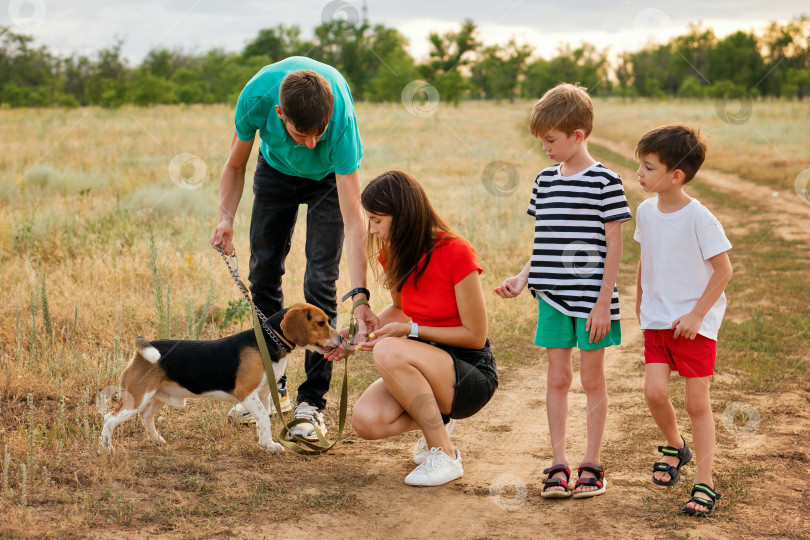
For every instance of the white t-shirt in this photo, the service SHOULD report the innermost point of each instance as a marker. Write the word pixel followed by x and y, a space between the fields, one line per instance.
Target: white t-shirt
pixel 675 270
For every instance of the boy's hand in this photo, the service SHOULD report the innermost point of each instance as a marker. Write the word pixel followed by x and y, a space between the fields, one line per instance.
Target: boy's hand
pixel 598 322
pixel 638 309
pixel 511 287
pixel 688 325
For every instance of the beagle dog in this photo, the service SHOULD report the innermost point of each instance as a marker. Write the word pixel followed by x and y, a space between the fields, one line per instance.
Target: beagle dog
pixel 229 369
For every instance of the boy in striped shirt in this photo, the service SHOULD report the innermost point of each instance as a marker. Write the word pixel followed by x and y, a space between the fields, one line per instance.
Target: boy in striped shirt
pixel 578 205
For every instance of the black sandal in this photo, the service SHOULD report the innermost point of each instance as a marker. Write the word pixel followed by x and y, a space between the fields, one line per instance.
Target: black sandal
pixel 555 482
pixel 599 481
pixel 684 456
pixel 703 488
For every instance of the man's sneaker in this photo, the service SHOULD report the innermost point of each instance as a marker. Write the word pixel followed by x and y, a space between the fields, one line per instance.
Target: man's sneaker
pixel 438 469
pixel 420 449
pixel 283 399
pixel 241 415
pixel 306 430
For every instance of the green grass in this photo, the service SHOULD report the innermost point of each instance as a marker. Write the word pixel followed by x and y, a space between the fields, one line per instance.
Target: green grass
pixel 75 244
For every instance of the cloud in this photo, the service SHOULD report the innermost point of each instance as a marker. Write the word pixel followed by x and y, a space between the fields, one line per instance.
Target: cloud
pixel 86 26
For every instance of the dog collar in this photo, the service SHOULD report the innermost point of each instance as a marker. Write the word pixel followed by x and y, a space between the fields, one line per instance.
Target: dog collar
pixel 274 336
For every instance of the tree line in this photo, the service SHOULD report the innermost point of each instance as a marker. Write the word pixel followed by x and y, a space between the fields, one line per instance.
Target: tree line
pixel 377 65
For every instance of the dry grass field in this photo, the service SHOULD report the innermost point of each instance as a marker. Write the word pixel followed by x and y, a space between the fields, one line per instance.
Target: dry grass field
pixel 99 243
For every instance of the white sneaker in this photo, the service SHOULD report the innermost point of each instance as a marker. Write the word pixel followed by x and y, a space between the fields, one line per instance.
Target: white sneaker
pixel 438 469
pixel 306 430
pixel 420 449
pixel 241 415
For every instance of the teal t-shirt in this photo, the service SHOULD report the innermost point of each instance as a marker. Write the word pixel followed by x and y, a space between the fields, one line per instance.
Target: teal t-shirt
pixel 338 151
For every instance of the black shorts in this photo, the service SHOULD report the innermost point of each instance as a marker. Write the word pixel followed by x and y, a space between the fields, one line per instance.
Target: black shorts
pixel 476 378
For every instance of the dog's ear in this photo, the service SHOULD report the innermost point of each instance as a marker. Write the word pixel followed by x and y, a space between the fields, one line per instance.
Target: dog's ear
pixel 295 325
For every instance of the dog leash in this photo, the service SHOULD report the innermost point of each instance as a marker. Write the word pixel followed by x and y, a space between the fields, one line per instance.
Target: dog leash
pixel 298 444
pixel 232 262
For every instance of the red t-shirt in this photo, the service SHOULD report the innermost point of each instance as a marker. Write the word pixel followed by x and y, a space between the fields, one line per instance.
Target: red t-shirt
pixel 433 301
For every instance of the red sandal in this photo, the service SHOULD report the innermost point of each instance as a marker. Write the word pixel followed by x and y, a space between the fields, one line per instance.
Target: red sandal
pixel 549 482
pixel 599 481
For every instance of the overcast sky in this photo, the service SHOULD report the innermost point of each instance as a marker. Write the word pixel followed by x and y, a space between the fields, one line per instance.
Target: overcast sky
pixel 85 26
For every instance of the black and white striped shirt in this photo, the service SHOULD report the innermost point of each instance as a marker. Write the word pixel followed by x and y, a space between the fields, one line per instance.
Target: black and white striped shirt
pixel 569 236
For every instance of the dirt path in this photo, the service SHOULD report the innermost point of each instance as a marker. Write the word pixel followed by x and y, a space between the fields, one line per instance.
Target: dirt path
pixel 505 448
pixel 506 445
pixel 792 212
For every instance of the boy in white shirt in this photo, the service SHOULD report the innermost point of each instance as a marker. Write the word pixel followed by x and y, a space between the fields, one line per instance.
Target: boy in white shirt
pixel 683 271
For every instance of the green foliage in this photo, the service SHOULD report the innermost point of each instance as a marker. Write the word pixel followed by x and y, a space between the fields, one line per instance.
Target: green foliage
pixel 725 89
pixel 498 73
pixel 584 65
pixel 159 282
pixel 147 89
pixel 376 63
pixel 196 321
pixel 449 53
pixel 691 88
pixel 797 83
pixel 47 321
pixel 238 312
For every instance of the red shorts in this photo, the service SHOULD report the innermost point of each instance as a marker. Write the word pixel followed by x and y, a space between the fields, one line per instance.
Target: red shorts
pixel 689 357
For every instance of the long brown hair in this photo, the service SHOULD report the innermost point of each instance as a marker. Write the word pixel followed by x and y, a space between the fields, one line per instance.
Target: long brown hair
pixel 415 225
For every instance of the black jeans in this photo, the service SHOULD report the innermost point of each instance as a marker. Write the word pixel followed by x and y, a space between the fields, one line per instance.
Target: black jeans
pixel 275 209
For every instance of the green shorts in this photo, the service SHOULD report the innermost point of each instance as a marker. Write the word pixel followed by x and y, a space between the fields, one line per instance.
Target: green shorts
pixel 559 331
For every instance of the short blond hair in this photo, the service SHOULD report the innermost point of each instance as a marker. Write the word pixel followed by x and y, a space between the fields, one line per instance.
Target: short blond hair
pixel 566 107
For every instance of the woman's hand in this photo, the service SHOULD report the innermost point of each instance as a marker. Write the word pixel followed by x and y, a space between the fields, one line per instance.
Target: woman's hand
pixel 394 329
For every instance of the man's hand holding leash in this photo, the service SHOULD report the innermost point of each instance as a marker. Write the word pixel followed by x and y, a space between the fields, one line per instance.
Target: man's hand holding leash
pixel 223 237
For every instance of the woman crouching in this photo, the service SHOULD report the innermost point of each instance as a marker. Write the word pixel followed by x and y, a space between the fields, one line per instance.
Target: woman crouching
pixel 445 369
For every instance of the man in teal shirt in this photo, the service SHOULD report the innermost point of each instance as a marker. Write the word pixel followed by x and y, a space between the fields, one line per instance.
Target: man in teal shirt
pixel 309 154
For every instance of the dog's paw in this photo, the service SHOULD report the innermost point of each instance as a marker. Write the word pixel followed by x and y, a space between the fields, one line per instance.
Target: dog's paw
pixel 272 447
pixel 105 444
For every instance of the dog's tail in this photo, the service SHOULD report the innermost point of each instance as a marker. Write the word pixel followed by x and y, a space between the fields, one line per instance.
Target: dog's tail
pixel 146 350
